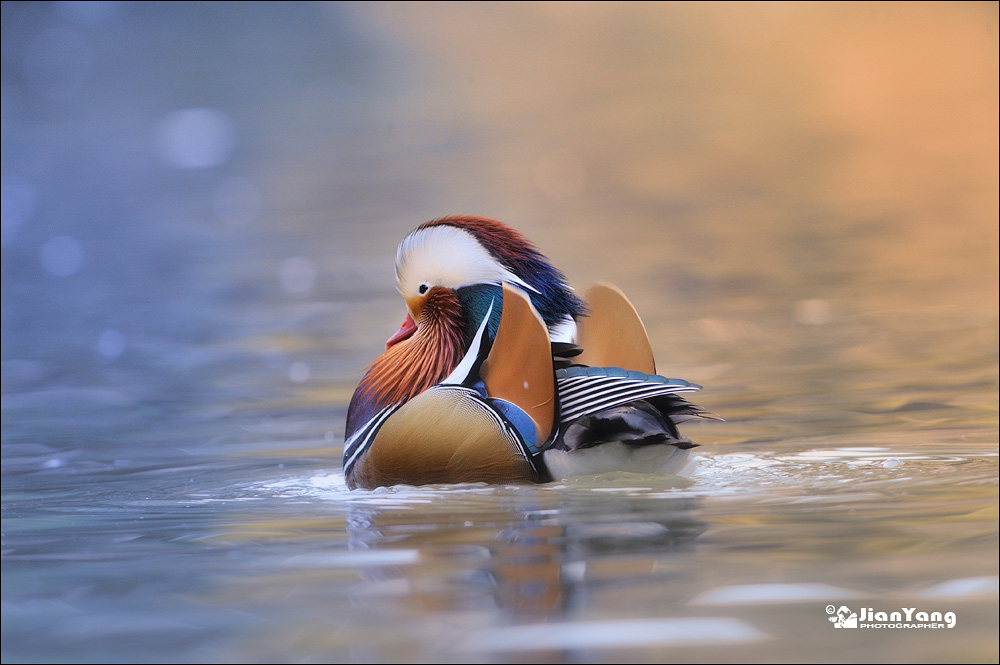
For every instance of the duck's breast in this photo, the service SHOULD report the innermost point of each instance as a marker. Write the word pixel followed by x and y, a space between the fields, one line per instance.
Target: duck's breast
pixel 447 434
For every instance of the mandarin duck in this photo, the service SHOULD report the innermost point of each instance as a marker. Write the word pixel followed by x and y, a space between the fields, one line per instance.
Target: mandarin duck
pixel 501 374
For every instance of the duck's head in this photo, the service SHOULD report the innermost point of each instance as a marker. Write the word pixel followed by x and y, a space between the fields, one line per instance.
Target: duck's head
pixel 461 253
pixel 449 271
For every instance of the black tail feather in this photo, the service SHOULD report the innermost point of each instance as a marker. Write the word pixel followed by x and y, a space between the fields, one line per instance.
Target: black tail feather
pixel 639 423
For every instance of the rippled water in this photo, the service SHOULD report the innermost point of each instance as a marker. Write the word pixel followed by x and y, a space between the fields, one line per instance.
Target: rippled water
pixel 200 211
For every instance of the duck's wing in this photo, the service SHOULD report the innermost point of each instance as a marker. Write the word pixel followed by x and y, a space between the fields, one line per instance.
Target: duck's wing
pixel 587 390
pixel 613 335
pixel 636 413
pixel 519 368
pixel 619 396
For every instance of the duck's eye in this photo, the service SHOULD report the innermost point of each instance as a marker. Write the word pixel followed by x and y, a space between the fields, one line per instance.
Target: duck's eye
pixel 422 289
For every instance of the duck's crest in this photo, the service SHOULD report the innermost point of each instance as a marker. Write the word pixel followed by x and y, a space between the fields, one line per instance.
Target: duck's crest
pixel 550 294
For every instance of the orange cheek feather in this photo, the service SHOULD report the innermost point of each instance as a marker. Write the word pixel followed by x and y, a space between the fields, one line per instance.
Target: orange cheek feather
pixel 416 358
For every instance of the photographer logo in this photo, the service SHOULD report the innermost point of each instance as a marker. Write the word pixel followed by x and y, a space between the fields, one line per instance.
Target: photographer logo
pixel 906 617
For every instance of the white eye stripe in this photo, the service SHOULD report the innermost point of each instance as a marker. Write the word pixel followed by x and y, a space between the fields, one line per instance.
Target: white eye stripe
pixel 450 257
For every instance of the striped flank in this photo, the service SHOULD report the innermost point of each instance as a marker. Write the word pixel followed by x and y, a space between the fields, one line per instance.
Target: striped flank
pixel 584 390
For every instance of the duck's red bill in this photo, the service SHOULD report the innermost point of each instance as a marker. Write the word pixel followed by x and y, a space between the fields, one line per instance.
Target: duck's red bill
pixel 404 332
